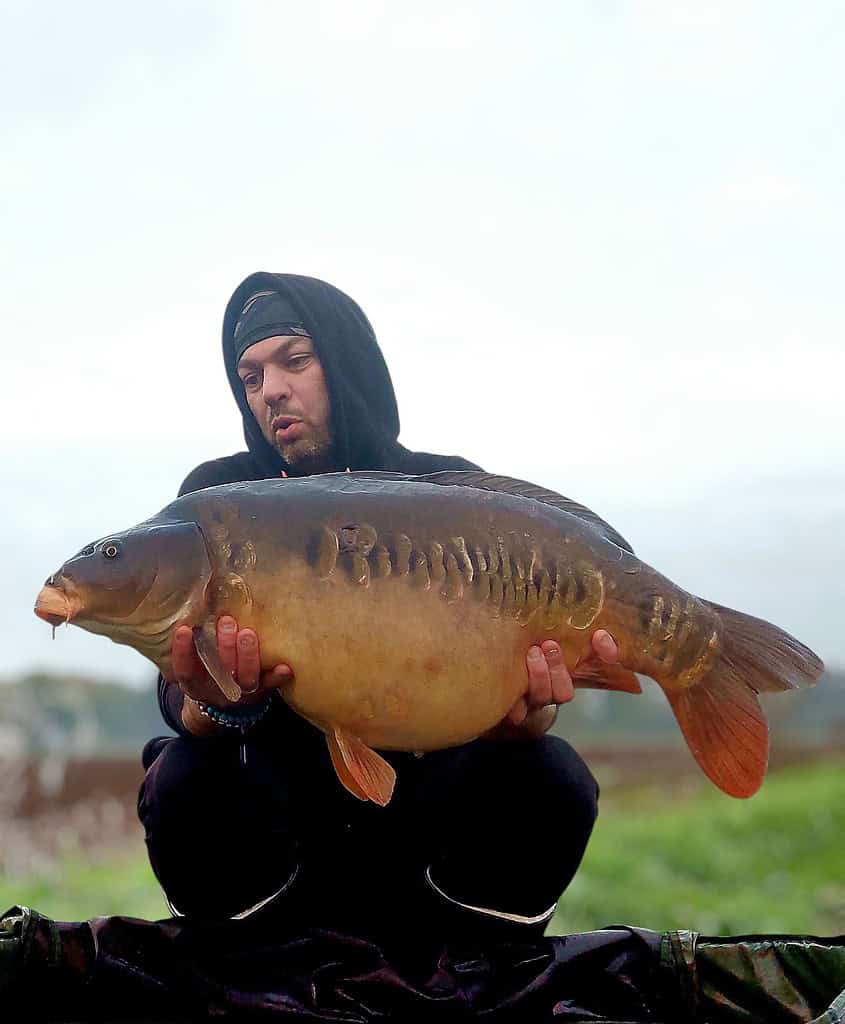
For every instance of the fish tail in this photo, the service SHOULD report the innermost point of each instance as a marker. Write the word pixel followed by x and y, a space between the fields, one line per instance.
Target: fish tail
pixel 720 714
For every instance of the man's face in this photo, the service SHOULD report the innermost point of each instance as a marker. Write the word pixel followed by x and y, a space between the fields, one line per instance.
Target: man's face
pixel 286 390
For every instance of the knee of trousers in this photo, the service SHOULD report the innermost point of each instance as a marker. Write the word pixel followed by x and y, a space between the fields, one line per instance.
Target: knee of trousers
pixel 191 780
pixel 565 770
pixel 203 813
pixel 152 748
pixel 540 778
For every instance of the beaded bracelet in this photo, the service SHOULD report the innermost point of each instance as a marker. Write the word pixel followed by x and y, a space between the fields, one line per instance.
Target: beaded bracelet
pixel 240 718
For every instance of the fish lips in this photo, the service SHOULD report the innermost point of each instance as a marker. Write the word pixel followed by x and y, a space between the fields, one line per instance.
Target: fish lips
pixel 57 601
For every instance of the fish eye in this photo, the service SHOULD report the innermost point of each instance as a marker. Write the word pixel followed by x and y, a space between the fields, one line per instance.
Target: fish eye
pixel 111 549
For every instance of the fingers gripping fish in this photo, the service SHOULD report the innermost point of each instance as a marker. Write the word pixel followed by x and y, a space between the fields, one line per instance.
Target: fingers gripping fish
pixel 407 605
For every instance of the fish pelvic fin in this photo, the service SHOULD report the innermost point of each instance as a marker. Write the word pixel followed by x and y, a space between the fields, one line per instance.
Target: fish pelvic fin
pixel 596 675
pixel 205 641
pixel 720 714
pixel 360 769
pixel 345 776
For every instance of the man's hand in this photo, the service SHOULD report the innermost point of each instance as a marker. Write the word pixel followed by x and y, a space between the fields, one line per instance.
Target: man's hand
pixel 549 685
pixel 239 652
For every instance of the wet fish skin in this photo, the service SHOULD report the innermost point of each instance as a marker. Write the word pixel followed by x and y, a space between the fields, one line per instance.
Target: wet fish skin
pixel 132 586
pixel 406 607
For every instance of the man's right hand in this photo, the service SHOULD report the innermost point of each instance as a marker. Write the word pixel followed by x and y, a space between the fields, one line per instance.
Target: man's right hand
pixel 240 655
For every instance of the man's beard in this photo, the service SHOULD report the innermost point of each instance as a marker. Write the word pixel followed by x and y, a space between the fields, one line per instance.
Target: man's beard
pixel 309 455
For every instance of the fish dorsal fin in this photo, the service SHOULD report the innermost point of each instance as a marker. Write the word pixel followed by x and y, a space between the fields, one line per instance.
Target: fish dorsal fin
pixel 507 485
pixel 524 489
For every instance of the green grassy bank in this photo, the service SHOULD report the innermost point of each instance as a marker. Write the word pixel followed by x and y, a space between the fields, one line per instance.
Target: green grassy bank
pixel 775 863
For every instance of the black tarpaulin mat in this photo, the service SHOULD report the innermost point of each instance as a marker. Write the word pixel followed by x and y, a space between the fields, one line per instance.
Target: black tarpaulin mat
pixel 120 969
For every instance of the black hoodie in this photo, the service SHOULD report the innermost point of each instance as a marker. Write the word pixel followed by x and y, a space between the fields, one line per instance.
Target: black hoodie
pixel 364 413
pixel 363 403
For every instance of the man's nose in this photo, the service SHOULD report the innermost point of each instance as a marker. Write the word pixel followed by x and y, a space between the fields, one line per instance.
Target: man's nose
pixel 276 385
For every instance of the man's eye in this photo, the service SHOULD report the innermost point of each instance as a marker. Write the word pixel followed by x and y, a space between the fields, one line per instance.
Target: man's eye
pixel 299 362
pixel 251 382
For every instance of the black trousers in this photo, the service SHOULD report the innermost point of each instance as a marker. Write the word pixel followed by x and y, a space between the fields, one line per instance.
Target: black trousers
pixel 480 839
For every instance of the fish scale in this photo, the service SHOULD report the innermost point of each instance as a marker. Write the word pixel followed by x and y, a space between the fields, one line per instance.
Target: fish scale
pixel 520 591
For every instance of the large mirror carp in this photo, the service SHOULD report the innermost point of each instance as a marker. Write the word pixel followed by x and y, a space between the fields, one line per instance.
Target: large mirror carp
pixel 406 606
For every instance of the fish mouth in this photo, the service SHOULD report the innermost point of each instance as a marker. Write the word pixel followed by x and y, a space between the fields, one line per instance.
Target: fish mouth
pixel 57 602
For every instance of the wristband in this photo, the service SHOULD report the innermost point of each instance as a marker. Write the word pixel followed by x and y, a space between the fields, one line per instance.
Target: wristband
pixel 234 718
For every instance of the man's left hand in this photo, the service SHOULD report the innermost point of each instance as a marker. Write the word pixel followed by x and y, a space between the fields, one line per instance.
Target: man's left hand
pixel 549 685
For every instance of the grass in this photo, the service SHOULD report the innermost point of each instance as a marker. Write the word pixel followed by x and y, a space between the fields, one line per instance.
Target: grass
pixel 79 890
pixel 774 864
pixel 702 861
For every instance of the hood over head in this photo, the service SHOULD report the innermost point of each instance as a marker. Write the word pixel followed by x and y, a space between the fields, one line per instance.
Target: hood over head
pixel 364 413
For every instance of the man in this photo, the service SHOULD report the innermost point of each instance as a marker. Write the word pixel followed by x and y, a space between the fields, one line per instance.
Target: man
pixel 242 812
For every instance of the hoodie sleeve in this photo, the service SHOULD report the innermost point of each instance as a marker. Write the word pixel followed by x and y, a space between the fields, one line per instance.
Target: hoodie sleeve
pixel 426 462
pixel 231 469
pixel 170 705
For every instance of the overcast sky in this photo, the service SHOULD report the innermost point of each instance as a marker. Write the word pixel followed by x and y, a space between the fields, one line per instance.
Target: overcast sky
pixel 600 244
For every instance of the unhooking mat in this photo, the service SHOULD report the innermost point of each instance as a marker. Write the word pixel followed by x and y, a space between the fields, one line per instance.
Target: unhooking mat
pixel 119 969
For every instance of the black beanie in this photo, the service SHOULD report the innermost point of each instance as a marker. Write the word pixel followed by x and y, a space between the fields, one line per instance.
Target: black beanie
pixel 265 314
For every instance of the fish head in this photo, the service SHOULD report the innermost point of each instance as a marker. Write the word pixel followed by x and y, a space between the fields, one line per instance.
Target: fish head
pixel 133 587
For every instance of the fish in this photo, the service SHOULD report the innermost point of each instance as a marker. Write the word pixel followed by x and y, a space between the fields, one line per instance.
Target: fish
pixel 406 606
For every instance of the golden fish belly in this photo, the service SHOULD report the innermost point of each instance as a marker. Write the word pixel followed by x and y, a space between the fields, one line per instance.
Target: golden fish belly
pixel 401 668
pixel 412 638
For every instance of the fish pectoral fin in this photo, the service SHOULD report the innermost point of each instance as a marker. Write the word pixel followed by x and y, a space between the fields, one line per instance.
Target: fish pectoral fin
pixel 596 675
pixel 362 771
pixel 205 641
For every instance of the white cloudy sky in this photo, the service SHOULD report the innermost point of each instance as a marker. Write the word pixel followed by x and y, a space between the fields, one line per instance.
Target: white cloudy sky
pixel 600 242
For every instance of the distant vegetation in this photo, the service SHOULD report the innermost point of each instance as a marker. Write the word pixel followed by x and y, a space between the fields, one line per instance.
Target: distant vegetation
pixel 76 716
